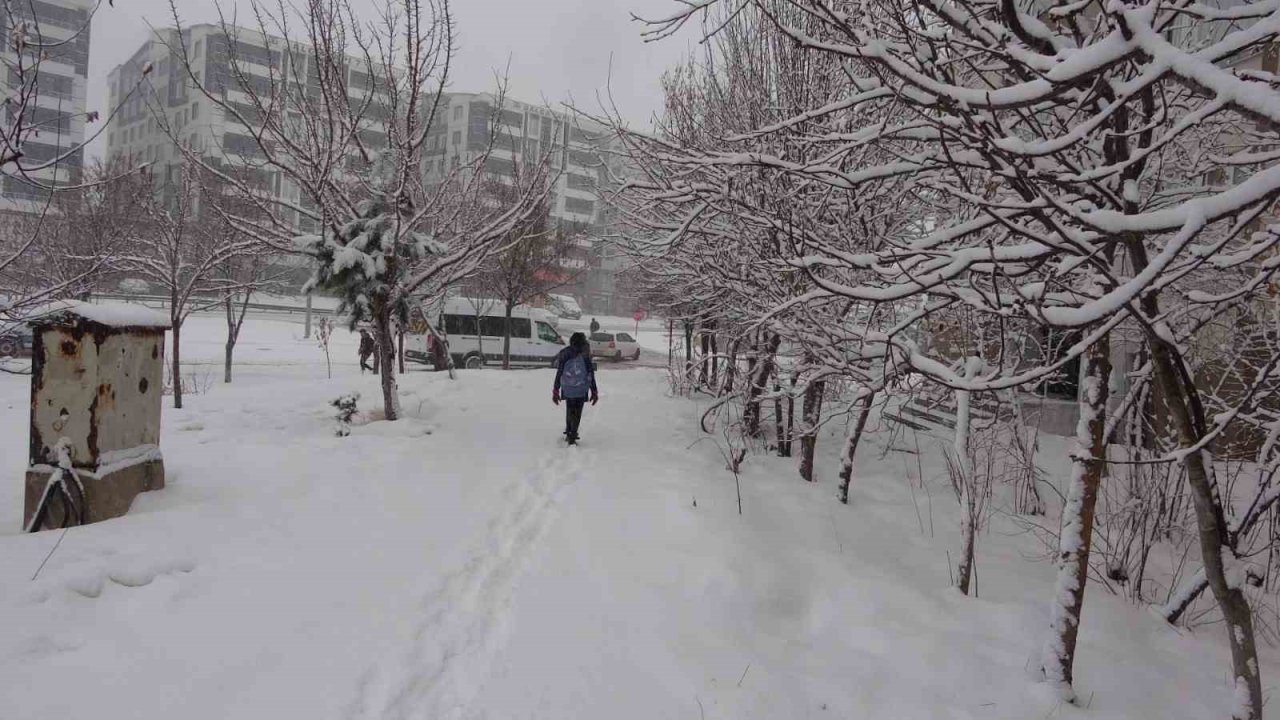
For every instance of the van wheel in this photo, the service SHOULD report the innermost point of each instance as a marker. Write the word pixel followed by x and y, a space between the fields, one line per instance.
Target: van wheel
pixel 473 362
pixel 617 357
pixel 8 347
pixel 637 355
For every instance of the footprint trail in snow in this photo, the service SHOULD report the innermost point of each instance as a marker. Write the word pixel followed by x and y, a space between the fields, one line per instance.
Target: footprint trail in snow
pixel 462 627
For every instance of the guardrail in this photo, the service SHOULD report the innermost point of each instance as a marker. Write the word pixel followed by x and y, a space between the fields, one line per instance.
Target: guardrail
pixel 161 301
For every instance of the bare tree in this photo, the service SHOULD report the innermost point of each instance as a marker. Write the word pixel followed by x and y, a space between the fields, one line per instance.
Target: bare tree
pixel 244 275
pixel 45 170
pixel 79 233
pixel 531 263
pixel 1061 173
pixel 185 253
pixel 344 115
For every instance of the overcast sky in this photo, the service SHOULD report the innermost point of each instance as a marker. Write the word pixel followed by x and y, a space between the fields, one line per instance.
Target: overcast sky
pixel 556 49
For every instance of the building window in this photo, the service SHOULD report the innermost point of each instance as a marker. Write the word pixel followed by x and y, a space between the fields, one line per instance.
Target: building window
pixel 578 205
pixel 197 52
pixel 457 136
pixel 457 113
pixel 499 166
pixel 195 110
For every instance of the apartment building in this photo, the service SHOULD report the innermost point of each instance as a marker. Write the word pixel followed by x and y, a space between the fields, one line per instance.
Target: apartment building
pixel 580 156
pixel 58 80
pixel 168 111
pixel 150 121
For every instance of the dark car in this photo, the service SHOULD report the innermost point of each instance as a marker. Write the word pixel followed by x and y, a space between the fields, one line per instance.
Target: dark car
pixel 15 341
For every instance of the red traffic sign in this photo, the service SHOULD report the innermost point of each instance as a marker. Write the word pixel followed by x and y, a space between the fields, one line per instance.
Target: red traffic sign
pixel 638 315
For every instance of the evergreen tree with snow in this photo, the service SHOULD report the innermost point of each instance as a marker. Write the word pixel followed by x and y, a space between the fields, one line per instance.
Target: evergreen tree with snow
pixel 363 263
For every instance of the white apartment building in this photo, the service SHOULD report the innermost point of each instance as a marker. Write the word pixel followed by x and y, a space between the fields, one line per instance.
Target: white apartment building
pixel 57 116
pixel 171 108
pixel 168 106
pixel 579 155
pixel 462 130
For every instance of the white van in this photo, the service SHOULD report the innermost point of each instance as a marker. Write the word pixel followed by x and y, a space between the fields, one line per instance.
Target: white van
pixel 473 328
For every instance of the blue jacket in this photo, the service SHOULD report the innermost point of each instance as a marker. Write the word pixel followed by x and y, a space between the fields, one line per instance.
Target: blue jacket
pixel 563 356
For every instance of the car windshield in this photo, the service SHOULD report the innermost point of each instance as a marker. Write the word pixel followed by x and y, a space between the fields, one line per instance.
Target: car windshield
pixel 625 337
pixel 546 333
pixel 601 337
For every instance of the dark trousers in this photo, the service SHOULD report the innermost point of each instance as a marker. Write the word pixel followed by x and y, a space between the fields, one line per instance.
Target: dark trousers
pixel 573 415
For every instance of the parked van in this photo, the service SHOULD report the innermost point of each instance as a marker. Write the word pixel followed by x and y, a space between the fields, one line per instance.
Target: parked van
pixel 474 331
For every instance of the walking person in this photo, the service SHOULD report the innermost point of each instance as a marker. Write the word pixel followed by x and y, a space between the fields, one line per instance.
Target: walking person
pixel 575 380
pixel 595 326
pixel 366 351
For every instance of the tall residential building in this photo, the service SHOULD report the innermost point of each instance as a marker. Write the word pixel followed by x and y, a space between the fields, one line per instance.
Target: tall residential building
pixel 462 131
pixel 580 155
pixel 167 107
pixel 58 81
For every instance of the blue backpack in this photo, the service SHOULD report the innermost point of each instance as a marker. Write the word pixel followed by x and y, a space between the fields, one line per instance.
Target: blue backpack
pixel 575 377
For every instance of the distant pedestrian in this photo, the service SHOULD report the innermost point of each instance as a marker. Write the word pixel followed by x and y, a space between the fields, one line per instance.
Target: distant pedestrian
pixel 575 379
pixel 595 326
pixel 436 349
pixel 366 351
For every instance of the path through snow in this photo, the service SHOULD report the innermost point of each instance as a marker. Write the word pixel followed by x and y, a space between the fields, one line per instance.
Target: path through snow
pixel 463 620
pixel 462 564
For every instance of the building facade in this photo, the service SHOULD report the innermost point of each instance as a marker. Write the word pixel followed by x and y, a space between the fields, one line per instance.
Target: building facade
pixel 53 75
pixel 168 112
pixel 582 159
pixel 169 108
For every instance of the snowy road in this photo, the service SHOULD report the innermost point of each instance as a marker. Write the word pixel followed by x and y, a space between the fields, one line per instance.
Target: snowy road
pixel 461 564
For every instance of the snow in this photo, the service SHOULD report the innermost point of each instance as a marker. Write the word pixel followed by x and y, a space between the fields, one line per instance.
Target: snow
pixel 110 314
pixel 460 563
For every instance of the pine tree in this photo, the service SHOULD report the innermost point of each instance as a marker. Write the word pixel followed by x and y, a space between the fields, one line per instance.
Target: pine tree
pixel 363 263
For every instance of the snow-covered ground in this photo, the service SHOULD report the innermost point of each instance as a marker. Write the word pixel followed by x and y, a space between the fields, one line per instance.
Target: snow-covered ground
pixel 461 564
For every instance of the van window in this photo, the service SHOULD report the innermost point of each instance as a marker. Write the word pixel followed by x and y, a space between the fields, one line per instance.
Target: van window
pixel 546 333
pixel 460 325
pixel 491 326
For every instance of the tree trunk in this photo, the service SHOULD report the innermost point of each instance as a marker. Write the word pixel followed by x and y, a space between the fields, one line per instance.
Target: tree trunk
pixel 759 377
pixel 777 416
pixel 715 357
pixel 231 340
pixel 1075 539
pixel 791 415
pixel 1215 547
pixel 688 350
pixel 730 368
pixel 506 339
pixel 851 447
pixel 384 347
pixel 812 417
pixel 704 342
pixel 966 481
pixel 176 321
pixel 226 371
pixel 1183 405
pixel 306 321
pixel 400 350
pixel 671 344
